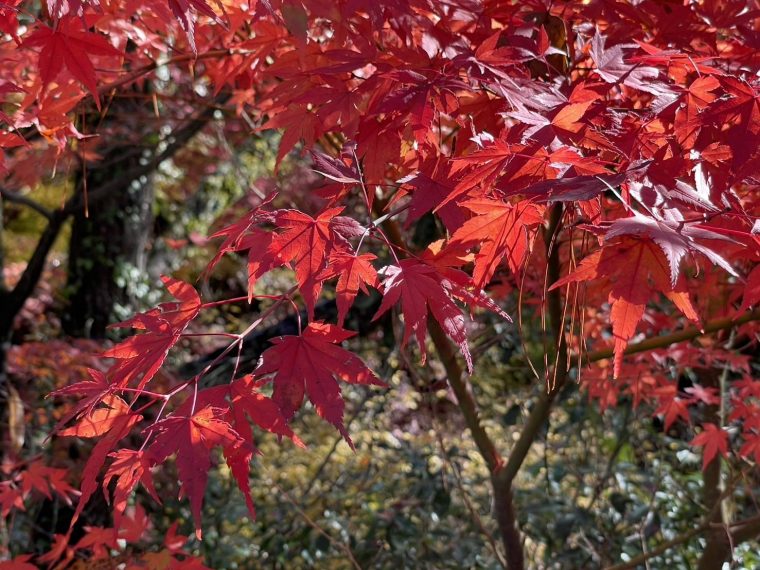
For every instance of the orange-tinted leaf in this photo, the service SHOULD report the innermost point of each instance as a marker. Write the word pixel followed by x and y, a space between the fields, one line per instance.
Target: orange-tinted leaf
pixel 502 230
pixel 354 272
pixel 99 420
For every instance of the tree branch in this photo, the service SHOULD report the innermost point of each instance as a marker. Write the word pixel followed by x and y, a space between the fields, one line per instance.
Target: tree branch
pixel 179 139
pixel 502 491
pixel 748 529
pixel 25 201
pixel 661 549
pixel 13 301
pixel 680 336
pixel 717 548
pixel 466 400
pixel 539 414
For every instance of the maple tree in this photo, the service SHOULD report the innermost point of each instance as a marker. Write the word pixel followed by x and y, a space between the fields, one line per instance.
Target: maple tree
pixel 593 163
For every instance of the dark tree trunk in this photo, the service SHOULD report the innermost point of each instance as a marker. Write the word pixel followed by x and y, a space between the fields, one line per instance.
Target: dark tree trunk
pixel 3 296
pixel 107 246
pixel 108 241
pixel 717 549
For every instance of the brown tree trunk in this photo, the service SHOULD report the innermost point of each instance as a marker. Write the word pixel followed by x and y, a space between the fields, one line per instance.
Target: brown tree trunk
pixel 717 550
pixel 108 240
pixel 106 250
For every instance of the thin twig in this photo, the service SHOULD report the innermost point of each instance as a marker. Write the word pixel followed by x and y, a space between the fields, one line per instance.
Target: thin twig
pixel 336 543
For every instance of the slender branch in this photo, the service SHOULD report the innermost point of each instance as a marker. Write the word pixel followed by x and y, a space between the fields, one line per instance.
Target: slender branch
pixel 661 549
pixel 179 140
pixel 465 497
pixel 502 491
pixel 704 526
pixel 542 407
pixel 15 299
pixel 502 488
pixel 25 201
pixel 747 530
pixel 467 404
pixel 341 546
pixel 680 336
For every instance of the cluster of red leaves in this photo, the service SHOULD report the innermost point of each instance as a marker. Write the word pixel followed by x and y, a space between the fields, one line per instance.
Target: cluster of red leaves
pixel 115 545
pixel 638 124
pixel 21 479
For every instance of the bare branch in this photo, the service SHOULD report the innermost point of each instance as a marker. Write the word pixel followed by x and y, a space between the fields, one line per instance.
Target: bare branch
pixel 25 201
pixel 15 299
pixel 680 336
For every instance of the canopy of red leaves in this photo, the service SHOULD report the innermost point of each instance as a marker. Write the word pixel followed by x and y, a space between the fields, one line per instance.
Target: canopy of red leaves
pixel 637 124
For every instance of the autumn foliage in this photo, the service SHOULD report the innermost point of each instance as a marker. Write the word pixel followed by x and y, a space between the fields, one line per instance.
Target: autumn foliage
pixel 589 168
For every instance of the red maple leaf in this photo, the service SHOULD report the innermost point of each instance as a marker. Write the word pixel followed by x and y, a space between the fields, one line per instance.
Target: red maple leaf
pixel 502 230
pixel 100 541
pixel 98 421
pixel 92 392
pixel 675 237
pixel 236 403
pixel 335 168
pixel 119 430
pixel 128 468
pixel 714 440
pixel 671 406
pixel 612 68
pixel 247 400
pixel 630 265
pixel 354 273
pixel 481 168
pixel 192 438
pixel 751 290
pixel 306 243
pixel 422 288
pixel 235 233
pixel 299 124
pixel 141 356
pixel 430 187
pixel 185 11
pixel 10 498
pixel 310 364
pixel 67 45
pixel 44 479
pixel 751 447
pixel 688 121
pixel 576 188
